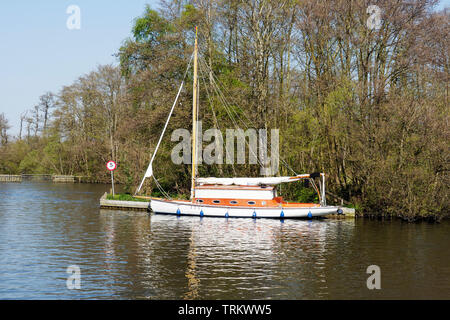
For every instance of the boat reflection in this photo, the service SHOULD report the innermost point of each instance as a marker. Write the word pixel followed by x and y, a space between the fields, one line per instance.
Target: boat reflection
pixel 173 257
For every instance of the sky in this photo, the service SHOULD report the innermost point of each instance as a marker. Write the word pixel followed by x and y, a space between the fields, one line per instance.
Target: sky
pixel 39 53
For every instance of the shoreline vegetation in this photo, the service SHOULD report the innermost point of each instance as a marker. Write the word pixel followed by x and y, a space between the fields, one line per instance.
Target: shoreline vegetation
pixel 357 214
pixel 124 197
pixel 367 106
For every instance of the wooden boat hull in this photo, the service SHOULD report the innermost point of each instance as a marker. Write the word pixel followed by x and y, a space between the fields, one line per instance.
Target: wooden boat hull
pixel 179 207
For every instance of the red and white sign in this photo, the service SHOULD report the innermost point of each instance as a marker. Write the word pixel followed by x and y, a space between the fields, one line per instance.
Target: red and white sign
pixel 111 166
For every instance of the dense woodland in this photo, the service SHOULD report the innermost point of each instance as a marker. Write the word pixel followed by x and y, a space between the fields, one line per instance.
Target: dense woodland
pixel 368 106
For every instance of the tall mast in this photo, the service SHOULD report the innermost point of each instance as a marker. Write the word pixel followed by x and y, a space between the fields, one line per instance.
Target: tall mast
pixel 194 119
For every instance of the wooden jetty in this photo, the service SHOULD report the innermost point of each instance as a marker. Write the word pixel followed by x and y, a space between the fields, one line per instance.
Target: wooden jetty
pixel 63 179
pixel 122 205
pixel 143 206
pixel 348 213
pixel 44 177
pixel 10 178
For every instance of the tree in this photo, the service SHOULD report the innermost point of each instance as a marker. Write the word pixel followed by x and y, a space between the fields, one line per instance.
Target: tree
pixel 367 106
pixel 4 127
pixel 46 102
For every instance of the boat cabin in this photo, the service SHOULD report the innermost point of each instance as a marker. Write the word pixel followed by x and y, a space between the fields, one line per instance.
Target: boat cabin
pixel 242 196
pixel 235 192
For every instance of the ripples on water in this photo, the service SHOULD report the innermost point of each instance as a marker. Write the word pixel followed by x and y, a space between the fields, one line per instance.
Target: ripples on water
pixel 44 228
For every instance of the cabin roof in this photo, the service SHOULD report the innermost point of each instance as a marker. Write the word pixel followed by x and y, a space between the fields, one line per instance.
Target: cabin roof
pixel 234 187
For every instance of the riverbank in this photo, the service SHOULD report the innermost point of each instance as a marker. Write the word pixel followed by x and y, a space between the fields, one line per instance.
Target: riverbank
pixel 10 178
pixel 132 204
pixel 135 255
pixel 127 202
pixel 349 212
pixel 45 177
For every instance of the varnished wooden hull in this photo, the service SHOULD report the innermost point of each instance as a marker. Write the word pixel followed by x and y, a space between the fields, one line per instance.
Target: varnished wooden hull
pixel 180 207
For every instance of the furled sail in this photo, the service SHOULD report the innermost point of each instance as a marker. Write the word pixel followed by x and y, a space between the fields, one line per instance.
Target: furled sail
pixel 251 181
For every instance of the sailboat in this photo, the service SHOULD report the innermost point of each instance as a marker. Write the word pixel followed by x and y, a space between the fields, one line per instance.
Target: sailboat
pixel 234 197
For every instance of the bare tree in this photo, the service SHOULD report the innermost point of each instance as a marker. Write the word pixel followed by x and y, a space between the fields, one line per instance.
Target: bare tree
pixel 23 117
pixel 46 102
pixel 4 127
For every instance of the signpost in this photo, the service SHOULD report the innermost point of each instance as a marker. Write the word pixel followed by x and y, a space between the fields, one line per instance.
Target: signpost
pixel 111 166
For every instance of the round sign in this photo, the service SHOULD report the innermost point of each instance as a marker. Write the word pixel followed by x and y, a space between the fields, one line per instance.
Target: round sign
pixel 111 166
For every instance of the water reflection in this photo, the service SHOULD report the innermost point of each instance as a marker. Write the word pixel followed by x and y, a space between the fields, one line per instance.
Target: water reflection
pixel 132 255
pixel 191 272
pixel 221 259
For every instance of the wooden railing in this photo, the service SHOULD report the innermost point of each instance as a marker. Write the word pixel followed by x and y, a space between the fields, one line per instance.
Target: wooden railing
pixel 63 179
pixel 42 177
pixel 10 178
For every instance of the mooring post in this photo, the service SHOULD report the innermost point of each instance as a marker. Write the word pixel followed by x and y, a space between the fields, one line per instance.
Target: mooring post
pixel 112 181
pixel 111 166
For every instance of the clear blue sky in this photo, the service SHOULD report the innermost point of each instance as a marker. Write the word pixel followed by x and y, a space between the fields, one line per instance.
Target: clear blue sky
pixel 38 53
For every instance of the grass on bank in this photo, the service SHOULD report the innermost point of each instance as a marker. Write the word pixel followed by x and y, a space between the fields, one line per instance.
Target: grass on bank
pixel 124 197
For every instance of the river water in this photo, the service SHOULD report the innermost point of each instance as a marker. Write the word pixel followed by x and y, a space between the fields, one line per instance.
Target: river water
pixel 45 228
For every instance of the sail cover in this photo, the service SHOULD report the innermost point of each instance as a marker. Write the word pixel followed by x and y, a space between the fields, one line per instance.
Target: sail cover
pixel 251 181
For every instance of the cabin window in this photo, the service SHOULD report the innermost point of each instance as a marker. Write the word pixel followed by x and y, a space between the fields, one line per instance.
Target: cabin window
pixel 199 201
pixel 216 201
pixel 251 202
pixel 233 202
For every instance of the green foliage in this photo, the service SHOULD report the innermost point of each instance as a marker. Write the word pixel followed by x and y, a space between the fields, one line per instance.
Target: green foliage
pixel 12 155
pixel 375 120
pixel 305 195
pixel 190 17
pixel 128 179
pixel 31 163
pixel 150 27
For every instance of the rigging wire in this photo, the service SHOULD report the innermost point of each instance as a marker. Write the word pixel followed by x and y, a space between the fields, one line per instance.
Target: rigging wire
pixel 160 188
pixel 221 95
pixel 216 123
pixel 243 113
pixel 149 169
pixel 229 110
